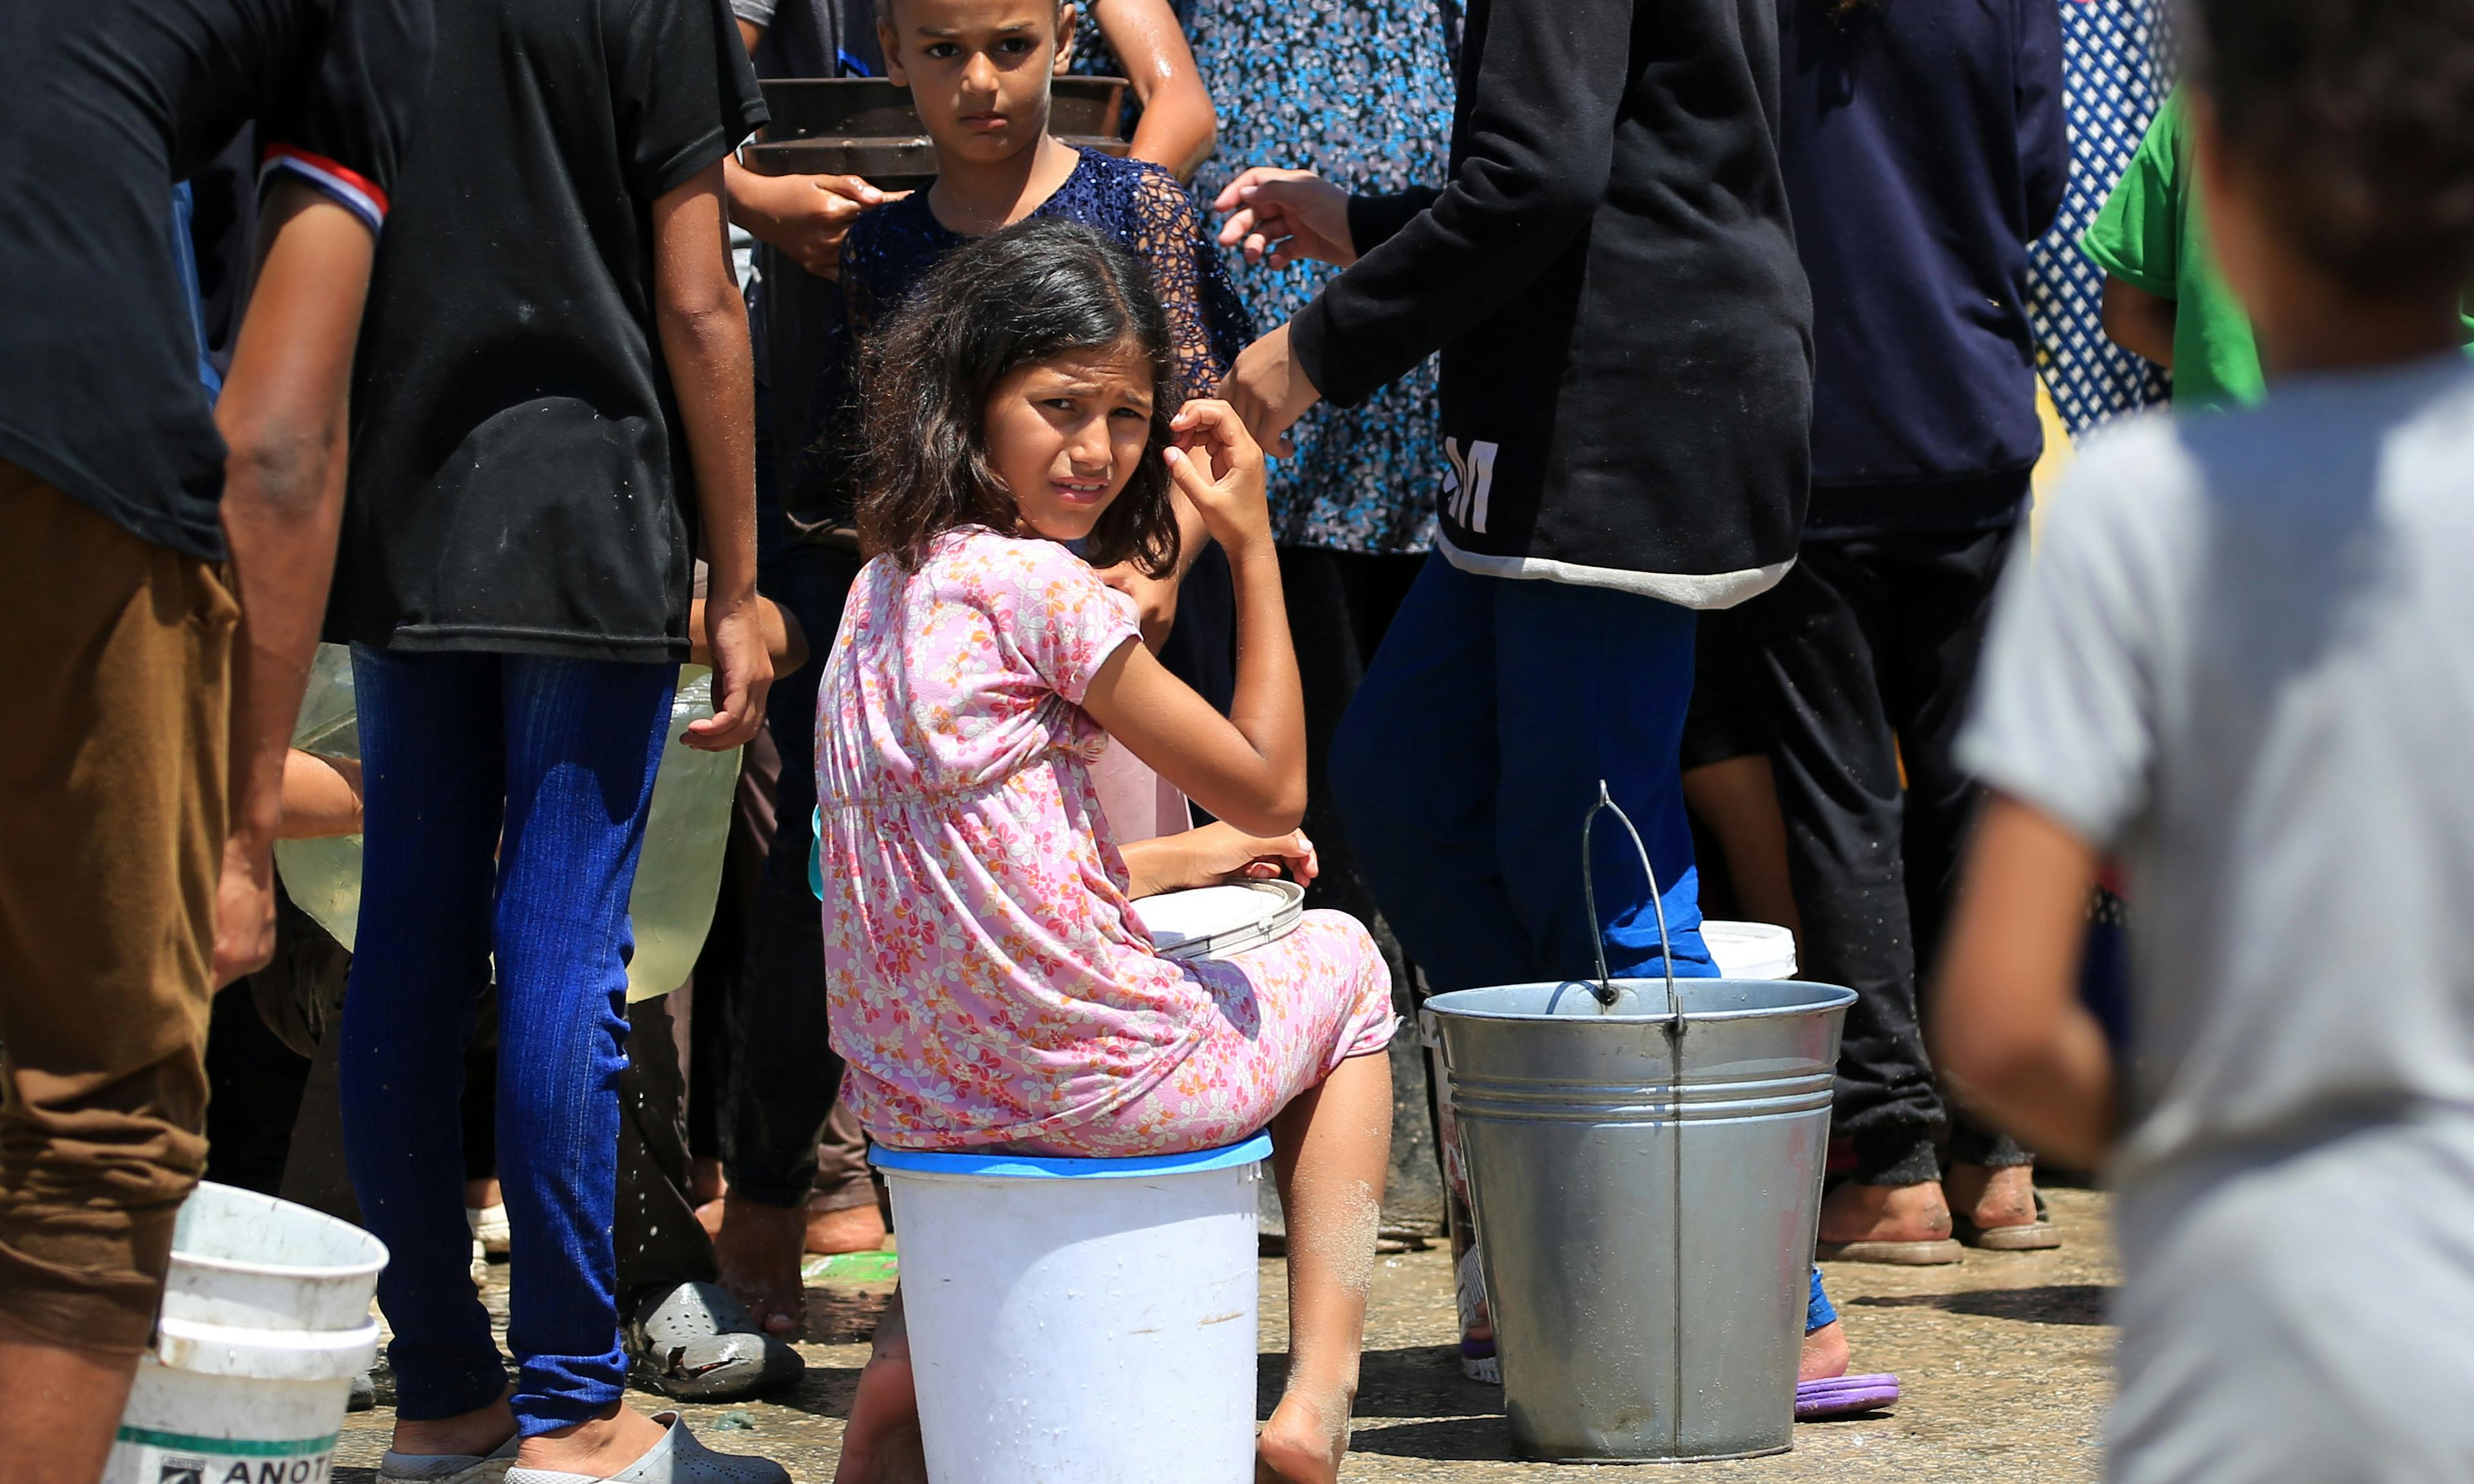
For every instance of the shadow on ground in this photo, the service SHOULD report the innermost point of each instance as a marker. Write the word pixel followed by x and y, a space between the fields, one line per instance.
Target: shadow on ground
pixel 2052 1304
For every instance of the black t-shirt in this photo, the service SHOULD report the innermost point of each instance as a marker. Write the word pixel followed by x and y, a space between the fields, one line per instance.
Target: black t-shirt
pixel 519 477
pixel 104 104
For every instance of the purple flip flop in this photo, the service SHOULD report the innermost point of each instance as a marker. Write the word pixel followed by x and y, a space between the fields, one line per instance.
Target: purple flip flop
pixel 1844 1396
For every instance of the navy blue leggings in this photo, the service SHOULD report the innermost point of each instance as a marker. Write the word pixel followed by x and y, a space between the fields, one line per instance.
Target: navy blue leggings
pixel 1474 748
pixel 505 805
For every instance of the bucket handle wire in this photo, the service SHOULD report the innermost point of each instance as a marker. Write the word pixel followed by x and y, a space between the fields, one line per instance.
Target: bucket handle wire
pixel 1605 989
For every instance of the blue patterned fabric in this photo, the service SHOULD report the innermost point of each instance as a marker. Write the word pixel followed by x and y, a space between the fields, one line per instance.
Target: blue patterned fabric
pixel 2117 63
pixel 1360 90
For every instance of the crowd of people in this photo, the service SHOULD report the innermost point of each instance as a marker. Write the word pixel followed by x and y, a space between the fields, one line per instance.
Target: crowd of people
pixel 1420 423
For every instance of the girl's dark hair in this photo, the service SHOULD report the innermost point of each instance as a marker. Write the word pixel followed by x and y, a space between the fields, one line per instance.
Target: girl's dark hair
pixel 1033 292
pixel 2360 116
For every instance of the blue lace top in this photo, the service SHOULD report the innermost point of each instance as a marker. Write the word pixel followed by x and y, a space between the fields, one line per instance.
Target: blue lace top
pixel 1139 206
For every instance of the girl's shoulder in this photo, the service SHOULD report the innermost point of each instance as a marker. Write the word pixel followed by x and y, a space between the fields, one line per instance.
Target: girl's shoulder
pixel 991 570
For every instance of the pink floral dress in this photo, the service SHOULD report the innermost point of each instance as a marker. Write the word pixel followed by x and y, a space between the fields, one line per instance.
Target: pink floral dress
pixel 987 982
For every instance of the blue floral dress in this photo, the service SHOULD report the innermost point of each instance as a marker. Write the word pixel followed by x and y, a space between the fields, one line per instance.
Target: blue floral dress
pixel 1361 91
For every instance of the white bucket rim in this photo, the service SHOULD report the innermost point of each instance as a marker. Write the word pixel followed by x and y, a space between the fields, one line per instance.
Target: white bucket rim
pixel 1019 1167
pixel 368 1267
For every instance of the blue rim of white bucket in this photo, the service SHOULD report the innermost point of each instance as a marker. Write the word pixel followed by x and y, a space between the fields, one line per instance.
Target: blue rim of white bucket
pixel 929 1161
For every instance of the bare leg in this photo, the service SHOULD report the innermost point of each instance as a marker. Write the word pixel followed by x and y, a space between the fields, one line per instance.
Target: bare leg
pixel 880 1444
pixel 758 1250
pixel 1331 1148
pixel 58 1408
pixel 1737 800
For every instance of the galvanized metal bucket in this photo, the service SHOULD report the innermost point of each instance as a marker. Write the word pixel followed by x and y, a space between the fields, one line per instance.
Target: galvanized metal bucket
pixel 1646 1161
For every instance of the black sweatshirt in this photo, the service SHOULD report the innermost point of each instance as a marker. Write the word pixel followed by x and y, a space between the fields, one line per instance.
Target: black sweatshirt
pixel 1612 283
pixel 1926 147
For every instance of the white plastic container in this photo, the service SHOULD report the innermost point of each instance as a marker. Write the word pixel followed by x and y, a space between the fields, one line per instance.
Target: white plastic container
pixel 1081 1321
pixel 266 1320
pixel 1749 950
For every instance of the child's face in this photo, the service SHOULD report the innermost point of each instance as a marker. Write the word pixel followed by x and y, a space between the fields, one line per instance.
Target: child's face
pixel 978 70
pixel 1066 435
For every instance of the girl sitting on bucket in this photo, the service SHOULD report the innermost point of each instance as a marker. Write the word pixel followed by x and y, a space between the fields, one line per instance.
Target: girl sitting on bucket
pixel 990 985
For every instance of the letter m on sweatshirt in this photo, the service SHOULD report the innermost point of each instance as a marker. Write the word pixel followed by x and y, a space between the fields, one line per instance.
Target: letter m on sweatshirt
pixel 1467 482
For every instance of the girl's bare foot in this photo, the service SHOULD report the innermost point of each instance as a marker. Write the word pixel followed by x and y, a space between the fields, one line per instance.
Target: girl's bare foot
pixel 880 1444
pixel 758 1252
pixel 1303 1442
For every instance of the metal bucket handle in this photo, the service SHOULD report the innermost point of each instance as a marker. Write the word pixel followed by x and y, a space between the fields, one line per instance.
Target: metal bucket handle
pixel 1605 991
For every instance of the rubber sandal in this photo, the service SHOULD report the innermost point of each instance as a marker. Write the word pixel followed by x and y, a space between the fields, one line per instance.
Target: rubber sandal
pixel 677 1459
pixel 2037 1236
pixel 1903 1254
pixel 1844 1396
pixel 490 1468
pixel 697 1343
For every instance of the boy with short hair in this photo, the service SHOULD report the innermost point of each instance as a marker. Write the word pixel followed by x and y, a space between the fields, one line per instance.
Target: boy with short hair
pixel 2238 661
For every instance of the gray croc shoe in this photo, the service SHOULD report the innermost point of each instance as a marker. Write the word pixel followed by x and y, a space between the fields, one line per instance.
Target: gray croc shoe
pixel 677 1459
pixel 698 1343
pixel 447 1468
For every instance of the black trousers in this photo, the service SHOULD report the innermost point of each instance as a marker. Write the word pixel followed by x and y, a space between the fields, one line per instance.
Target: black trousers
pixel 783 1074
pixel 1868 649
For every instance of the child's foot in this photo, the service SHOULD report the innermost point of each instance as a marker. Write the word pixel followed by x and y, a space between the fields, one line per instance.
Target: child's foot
pixel 852 1229
pixel 758 1253
pixel 881 1443
pixel 1906 1225
pixel 1303 1442
pixel 1997 1208
pixel 1825 1354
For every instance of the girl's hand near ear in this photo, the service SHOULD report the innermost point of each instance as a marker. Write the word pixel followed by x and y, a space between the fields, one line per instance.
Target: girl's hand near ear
pixel 1220 467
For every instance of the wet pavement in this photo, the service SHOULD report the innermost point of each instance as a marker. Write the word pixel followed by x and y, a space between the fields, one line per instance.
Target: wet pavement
pixel 2003 1360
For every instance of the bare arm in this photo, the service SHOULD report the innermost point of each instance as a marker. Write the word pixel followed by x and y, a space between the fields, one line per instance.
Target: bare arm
pixel 1178 126
pixel 1248 767
pixel 703 327
pixel 322 796
pixel 2138 322
pixel 283 415
pixel 784 639
pixel 2007 1025
pixel 1218 851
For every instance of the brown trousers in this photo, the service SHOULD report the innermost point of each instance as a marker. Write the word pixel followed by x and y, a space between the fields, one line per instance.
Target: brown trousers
pixel 113 795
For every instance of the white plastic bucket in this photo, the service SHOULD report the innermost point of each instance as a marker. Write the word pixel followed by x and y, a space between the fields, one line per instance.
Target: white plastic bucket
pixel 1749 950
pixel 1081 1321
pixel 266 1320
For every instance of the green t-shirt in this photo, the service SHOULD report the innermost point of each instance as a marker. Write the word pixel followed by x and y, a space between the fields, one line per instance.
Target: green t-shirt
pixel 2152 236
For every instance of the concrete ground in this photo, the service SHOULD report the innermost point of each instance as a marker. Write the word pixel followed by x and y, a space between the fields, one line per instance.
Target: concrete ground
pixel 2003 1359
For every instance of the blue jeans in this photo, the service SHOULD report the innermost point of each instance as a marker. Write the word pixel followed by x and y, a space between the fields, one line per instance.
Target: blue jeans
pixel 1473 752
pixel 505 807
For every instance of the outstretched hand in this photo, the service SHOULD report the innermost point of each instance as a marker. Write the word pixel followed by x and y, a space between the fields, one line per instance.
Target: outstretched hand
pixel 1286 216
pixel 1271 391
